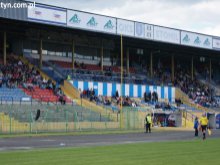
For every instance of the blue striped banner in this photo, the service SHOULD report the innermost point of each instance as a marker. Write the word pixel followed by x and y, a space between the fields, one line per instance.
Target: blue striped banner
pixel 75 84
pixel 162 92
pixel 113 89
pixel 131 88
pixel 104 89
pixel 147 89
pixel 155 88
pixel 139 91
pixel 123 89
pixel 85 85
pixel 170 94
pixel 95 87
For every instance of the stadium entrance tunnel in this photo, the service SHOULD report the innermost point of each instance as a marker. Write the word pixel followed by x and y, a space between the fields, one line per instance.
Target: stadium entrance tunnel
pixel 212 120
pixel 167 119
pixel 217 121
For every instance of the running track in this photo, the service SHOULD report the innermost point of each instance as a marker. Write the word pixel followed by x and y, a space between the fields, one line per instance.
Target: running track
pixel 25 143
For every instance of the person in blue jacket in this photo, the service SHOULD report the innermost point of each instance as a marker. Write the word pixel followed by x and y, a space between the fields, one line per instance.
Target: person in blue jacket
pixel 196 125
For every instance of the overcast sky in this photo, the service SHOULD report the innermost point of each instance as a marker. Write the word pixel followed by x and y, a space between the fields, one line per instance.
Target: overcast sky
pixel 194 15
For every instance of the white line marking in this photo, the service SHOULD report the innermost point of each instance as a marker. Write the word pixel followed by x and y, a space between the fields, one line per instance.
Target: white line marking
pixel 14 148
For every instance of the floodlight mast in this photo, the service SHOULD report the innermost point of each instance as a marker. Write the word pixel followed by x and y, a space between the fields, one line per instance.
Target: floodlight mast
pixel 121 107
pixel 151 61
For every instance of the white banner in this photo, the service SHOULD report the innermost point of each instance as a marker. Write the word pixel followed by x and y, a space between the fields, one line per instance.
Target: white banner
pixel 216 43
pixel 196 40
pixel 125 27
pixel 166 35
pixel 91 21
pixel 149 31
pixel 47 14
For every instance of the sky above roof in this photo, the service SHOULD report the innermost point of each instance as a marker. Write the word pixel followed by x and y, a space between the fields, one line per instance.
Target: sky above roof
pixel 201 16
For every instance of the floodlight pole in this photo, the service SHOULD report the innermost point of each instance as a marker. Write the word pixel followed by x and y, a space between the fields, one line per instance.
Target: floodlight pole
pixel 172 67
pixel 102 56
pixel 121 111
pixel 151 61
pixel 4 48
pixel 40 54
pixel 127 52
pixel 73 52
pixel 151 64
pixel 192 69
pixel 210 70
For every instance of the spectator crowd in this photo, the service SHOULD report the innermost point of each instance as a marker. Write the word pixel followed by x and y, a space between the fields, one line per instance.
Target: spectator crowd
pixel 197 91
pixel 17 74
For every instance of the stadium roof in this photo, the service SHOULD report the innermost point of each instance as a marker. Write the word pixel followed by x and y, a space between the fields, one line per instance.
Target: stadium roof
pixel 90 22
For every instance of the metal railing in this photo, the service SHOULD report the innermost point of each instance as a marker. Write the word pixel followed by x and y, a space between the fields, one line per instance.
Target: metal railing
pixel 20 118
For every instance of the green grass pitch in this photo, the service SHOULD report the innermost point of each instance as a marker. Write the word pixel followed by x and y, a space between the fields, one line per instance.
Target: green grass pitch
pixel 156 153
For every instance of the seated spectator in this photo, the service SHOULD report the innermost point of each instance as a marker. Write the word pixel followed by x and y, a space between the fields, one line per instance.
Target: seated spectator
pixel 145 96
pixel 116 94
pixel 167 106
pixel 178 102
pixel 1 79
pixel 30 87
pixel 106 101
pixel 49 85
pixel 154 96
pixel 99 99
pixel 24 85
pixel 149 96
pixel 134 104
pixel 62 100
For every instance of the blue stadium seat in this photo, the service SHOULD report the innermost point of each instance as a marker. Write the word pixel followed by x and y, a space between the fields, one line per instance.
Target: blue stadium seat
pixel 14 94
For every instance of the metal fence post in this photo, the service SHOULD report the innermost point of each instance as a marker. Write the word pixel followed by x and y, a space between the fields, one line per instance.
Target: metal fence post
pixel 74 119
pixel 66 116
pixel 91 118
pixel 128 118
pixel 30 124
pixel 134 117
pixel 10 122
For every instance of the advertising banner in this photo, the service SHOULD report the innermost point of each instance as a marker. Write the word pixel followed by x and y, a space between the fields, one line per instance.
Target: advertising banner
pixel 196 40
pixel 88 21
pixel 166 35
pixel 47 14
pixel 125 27
pixel 216 43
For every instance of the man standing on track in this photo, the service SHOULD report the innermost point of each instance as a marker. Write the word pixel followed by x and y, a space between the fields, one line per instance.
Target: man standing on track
pixel 204 122
pixel 196 125
pixel 148 123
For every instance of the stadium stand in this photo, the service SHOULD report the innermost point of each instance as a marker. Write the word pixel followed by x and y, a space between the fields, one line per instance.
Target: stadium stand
pixel 20 82
pixel 86 71
pixel 200 93
pixel 196 91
